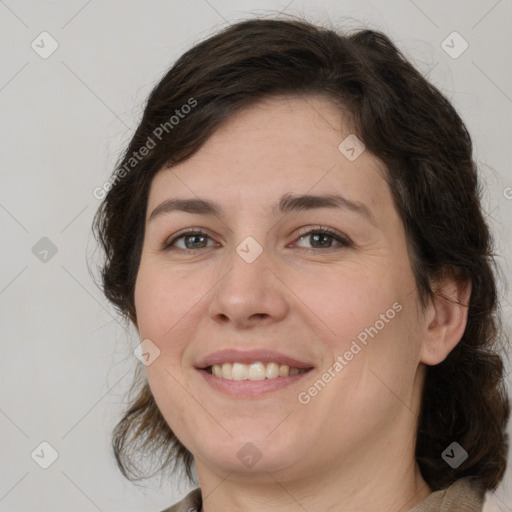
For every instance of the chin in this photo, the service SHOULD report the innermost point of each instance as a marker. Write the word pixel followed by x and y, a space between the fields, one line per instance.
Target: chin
pixel 246 455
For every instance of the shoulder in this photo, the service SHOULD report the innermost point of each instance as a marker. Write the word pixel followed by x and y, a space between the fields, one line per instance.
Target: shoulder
pixel 464 495
pixel 190 503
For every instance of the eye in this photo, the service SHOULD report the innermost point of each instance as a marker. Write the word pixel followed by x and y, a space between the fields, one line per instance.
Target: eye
pixel 189 241
pixel 319 238
pixel 323 238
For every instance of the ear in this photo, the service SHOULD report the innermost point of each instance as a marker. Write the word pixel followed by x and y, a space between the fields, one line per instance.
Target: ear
pixel 445 319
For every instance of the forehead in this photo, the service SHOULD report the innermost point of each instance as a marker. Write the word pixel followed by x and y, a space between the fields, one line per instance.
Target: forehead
pixel 277 146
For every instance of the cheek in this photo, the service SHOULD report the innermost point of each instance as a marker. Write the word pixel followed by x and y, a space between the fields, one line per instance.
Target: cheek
pixel 163 300
pixel 166 304
pixel 368 317
pixel 350 302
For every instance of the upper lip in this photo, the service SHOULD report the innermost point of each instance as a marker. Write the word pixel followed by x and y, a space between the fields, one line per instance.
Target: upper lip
pixel 250 356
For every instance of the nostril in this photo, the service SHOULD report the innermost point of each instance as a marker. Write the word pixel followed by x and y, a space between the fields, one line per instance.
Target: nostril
pixel 260 315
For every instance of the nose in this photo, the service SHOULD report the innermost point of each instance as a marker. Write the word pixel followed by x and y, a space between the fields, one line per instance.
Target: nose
pixel 249 294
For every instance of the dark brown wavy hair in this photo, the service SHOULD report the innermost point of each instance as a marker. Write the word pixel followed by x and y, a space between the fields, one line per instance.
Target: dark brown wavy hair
pixel 403 120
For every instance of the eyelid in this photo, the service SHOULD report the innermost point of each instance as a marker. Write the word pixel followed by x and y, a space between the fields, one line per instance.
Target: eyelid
pixel 319 228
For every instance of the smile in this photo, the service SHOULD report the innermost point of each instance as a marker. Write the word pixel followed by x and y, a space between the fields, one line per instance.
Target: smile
pixel 253 371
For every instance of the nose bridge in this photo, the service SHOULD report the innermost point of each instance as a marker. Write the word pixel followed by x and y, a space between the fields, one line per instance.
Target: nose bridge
pixel 248 291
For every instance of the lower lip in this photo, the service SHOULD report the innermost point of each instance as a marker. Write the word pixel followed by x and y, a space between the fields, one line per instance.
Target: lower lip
pixel 250 388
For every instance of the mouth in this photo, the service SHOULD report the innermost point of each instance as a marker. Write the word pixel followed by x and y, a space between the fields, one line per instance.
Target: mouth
pixel 250 374
pixel 254 371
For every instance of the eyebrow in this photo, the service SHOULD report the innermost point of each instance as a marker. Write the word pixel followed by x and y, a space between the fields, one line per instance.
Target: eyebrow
pixel 287 203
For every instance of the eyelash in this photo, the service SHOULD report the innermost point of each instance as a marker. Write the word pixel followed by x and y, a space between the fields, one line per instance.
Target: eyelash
pixel 304 232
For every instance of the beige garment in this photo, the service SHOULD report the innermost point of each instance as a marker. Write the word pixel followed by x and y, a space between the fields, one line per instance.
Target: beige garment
pixel 192 502
pixel 461 496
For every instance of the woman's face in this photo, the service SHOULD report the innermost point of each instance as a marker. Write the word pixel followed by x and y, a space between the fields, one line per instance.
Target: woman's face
pixel 259 282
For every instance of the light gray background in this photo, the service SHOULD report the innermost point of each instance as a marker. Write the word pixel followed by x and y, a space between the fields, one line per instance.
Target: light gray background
pixel 66 360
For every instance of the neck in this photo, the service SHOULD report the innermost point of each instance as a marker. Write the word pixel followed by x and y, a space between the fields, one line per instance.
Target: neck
pixel 373 485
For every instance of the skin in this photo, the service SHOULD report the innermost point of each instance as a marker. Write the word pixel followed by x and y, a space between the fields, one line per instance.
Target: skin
pixel 351 447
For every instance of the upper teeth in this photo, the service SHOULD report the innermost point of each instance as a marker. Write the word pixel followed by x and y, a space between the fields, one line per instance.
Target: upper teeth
pixel 254 371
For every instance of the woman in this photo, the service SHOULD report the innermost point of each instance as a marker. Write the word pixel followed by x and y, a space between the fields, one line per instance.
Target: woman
pixel 296 233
